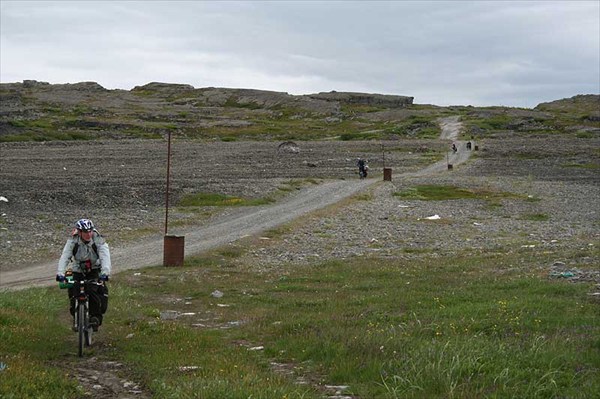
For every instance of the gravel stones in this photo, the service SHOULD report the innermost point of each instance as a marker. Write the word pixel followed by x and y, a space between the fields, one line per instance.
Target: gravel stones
pixel 120 185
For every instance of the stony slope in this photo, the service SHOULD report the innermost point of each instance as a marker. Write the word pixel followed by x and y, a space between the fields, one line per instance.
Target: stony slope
pixel 38 111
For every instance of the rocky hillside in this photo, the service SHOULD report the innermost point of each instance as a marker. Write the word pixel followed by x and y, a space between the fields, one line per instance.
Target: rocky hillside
pixel 87 110
pixel 39 111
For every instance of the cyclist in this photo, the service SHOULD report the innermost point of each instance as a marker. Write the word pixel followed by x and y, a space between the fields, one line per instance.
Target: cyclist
pixel 362 167
pixel 91 260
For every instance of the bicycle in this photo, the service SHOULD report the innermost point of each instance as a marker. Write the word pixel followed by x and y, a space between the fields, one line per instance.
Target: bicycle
pixel 81 323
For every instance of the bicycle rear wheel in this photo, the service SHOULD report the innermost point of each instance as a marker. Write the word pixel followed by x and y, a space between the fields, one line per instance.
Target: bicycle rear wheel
pixel 81 327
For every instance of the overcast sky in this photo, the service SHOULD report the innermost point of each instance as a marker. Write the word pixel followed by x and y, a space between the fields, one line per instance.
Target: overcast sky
pixel 481 53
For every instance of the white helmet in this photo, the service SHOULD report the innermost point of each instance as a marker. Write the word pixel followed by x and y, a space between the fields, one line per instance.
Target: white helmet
pixel 84 225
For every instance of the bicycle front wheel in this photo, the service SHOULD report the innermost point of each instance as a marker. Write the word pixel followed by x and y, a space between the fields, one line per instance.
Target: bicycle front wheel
pixel 88 335
pixel 81 327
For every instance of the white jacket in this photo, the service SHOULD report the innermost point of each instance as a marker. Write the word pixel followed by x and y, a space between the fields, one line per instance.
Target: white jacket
pixel 85 252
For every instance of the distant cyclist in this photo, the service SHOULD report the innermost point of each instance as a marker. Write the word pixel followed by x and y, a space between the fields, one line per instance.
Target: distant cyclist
pixel 362 168
pixel 91 261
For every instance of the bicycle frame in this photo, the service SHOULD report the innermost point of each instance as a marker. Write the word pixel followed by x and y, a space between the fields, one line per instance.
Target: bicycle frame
pixel 82 312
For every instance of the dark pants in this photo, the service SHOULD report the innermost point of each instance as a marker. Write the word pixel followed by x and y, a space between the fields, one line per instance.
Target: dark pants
pixel 97 294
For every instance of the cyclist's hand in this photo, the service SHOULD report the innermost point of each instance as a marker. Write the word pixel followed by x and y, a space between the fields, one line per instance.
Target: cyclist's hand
pixel 104 277
pixel 60 278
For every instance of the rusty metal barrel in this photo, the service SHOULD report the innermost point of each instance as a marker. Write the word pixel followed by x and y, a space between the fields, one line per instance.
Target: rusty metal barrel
pixel 173 251
pixel 387 174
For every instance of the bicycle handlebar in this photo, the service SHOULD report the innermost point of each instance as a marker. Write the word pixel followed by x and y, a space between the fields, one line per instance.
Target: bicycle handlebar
pixel 70 282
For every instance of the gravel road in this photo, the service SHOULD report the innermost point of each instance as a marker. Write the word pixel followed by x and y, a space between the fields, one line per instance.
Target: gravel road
pixel 235 224
pixel 551 208
pixel 241 223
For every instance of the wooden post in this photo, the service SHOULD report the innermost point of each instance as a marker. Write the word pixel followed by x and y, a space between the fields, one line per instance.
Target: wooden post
pixel 387 174
pixel 173 251
pixel 168 179
pixel 173 246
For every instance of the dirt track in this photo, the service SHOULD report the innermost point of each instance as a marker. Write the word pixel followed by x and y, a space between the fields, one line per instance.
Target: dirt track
pixel 232 225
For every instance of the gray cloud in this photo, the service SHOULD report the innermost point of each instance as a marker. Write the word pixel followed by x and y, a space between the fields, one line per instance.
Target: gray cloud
pixel 479 53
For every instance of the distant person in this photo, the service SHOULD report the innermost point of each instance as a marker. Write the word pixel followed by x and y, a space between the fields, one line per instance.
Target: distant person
pixel 454 149
pixel 362 168
pixel 468 145
pixel 91 260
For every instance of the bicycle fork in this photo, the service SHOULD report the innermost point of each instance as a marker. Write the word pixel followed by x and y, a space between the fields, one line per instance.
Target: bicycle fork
pixel 80 300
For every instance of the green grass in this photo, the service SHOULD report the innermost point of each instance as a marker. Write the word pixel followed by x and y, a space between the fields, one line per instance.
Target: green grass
pixel 45 136
pixel 31 335
pixel 42 123
pixel 589 165
pixel 283 126
pixel 466 326
pixel 417 126
pixel 291 121
pixel 494 122
pixel 212 199
pixel 359 136
pixel 441 193
pixel 585 135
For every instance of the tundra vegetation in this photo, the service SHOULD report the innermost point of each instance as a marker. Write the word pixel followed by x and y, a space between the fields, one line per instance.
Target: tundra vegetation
pixel 475 324
pixel 373 325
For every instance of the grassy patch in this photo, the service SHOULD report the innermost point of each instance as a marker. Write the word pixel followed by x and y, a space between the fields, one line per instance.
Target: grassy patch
pixel 493 122
pixel 31 335
pixel 230 252
pixel 466 326
pixel 44 136
pixel 368 196
pixel 536 217
pixel 420 126
pixel 442 193
pixel 212 199
pixel 589 165
pixel 530 155
pixel 359 136
pixel 585 135
pixel 276 232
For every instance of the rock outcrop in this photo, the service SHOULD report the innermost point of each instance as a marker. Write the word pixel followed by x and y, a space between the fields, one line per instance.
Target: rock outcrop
pixel 365 99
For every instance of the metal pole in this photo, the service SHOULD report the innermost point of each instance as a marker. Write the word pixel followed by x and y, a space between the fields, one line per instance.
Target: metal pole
pixel 168 178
